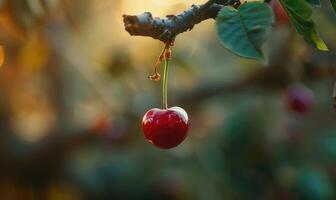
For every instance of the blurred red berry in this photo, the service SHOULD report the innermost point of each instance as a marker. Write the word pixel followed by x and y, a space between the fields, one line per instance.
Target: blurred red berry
pixel 165 128
pixel 281 16
pixel 300 99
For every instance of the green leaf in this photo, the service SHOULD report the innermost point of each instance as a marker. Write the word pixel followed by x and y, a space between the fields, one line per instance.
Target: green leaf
pixel 300 13
pixel 314 2
pixel 244 30
pixel 333 3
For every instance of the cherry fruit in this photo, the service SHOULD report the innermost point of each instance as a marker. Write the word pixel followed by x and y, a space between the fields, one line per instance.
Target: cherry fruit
pixel 300 99
pixel 165 128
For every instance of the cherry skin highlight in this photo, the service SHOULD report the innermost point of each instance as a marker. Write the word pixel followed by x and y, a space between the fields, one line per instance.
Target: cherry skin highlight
pixel 165 128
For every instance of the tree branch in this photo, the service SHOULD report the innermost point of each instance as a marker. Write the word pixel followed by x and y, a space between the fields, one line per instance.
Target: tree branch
pixel 166 29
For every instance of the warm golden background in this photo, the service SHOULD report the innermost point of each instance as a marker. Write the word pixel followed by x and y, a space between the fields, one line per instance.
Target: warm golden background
pixel 74 87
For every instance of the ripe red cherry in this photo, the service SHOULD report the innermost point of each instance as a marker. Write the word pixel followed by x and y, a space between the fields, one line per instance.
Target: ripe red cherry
pixel 165 128
pixel 300 99
pixel 281 16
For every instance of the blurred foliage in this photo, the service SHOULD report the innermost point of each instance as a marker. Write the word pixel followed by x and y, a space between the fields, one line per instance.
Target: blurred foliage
pixel 74 88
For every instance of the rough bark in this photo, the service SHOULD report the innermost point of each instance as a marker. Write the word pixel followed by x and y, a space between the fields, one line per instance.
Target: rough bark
pixel 166 29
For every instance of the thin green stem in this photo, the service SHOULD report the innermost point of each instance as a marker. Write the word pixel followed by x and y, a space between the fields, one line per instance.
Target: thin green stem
pixel 165 84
